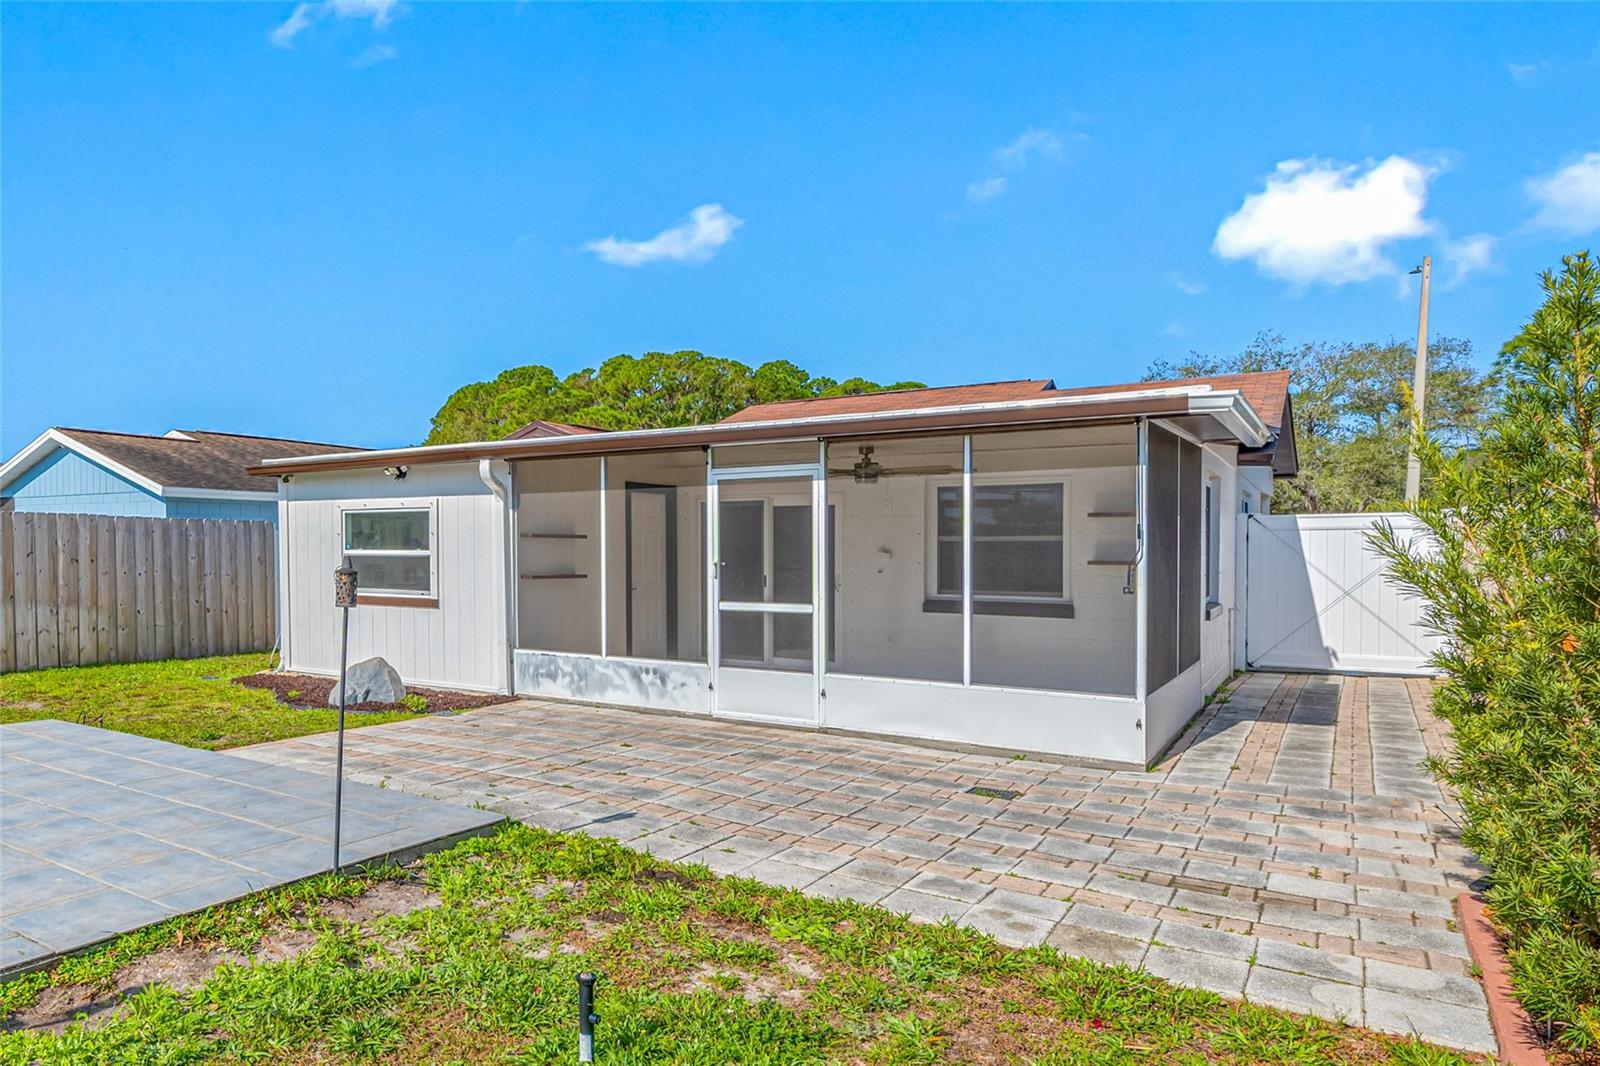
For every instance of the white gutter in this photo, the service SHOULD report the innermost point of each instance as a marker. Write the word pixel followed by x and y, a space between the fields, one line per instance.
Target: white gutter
pixel 170 492
pixel 812 425
pixel 1234 413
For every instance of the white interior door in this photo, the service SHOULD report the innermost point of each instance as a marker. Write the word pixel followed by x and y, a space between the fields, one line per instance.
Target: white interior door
pixel 647 569
pixel 764 579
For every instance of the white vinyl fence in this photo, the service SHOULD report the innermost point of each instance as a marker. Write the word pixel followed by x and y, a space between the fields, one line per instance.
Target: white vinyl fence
pixel 1316 597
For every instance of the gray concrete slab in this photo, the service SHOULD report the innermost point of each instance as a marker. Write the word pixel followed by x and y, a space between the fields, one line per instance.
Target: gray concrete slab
pixel 107 832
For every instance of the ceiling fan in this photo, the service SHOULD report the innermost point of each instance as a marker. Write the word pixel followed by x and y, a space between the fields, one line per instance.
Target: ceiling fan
pixel 868 470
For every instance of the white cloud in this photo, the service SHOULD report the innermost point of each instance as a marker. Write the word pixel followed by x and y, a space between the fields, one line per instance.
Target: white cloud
pixel 305 14
pixel 694 240
pixel 1174 329
pixel 372 56
pixel 1032 142
pixel 1568 198
pixel 1317 220
pixel 1467 256
pixel 1525 71
pixel 987 189
pixel 1185 286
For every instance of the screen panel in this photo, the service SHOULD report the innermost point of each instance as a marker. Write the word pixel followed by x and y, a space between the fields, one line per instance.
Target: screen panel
pixel 655 545
pixel 558 555
pixel 1161 554
pixel 895 616
pixel 1191 584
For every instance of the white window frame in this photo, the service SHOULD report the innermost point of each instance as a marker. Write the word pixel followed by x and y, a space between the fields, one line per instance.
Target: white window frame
pixel 396 507
pixel 1031 477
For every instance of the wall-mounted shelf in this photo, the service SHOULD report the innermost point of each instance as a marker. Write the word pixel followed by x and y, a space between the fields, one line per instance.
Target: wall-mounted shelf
pixel 1110 514
pixel 1111 562
pixel 556 536
pixel 551 577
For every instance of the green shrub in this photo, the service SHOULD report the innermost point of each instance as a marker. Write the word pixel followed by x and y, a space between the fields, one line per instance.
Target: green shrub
pixel 1512 579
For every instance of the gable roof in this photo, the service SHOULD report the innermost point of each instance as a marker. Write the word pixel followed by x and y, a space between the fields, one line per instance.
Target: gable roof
pixel 1267 392
pixel 542 427
pixel 894 400
pixel 181 463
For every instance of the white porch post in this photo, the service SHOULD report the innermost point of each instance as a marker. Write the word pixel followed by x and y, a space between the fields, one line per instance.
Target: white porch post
pixel 605 629
pixel 712 547
pixel 1141 599
pixel 819 577
pixel 966 559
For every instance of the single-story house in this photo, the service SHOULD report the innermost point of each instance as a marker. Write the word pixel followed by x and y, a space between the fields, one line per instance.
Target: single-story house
pixel 190 473
pixel 1006 565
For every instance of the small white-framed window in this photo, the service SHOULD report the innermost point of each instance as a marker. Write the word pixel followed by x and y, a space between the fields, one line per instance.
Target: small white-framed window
pixel 1019 538
pixel 1212 525
pixel 393 549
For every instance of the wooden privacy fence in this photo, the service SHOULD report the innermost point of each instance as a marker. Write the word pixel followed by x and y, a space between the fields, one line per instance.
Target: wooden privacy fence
pixel 84 589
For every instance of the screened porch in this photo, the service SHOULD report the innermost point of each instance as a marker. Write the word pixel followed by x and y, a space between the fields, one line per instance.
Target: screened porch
pixel 983 588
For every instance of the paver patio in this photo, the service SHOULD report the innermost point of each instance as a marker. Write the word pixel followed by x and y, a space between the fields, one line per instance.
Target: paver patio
pixel 102 833
pixel 1290 850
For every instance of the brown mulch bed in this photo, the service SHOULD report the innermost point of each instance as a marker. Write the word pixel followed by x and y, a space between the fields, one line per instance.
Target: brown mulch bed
pixel 311 691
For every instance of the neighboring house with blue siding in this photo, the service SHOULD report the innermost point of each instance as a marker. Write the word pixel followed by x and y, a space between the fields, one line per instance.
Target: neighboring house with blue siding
pixel 184 474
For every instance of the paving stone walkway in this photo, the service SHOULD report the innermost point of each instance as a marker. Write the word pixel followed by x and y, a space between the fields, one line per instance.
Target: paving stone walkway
pixel 102 833
pixel 1290 850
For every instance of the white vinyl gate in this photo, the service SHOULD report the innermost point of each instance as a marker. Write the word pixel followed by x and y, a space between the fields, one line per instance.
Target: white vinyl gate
pixel 1316 597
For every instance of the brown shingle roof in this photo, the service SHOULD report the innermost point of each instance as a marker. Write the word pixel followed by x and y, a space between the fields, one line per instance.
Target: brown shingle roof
pixel 542 427
pixel 199 459
pixel 895 400
pixel 1266 392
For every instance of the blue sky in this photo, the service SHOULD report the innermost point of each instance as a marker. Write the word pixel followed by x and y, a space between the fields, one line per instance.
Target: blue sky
pixel 317 220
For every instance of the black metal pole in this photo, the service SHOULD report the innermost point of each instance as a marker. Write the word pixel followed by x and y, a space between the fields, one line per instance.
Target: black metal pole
pixel 338 766
pixel 586 1017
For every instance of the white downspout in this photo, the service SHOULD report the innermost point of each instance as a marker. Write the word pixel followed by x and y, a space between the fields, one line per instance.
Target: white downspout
pixel 490 472
pixel 280 590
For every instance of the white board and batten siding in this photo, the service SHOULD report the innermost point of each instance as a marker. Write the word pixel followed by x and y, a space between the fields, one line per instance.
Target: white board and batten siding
pixel 1317 597
pixel 459 644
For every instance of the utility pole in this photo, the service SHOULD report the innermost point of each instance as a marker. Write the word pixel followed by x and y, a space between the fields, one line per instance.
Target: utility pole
pixel 1419 384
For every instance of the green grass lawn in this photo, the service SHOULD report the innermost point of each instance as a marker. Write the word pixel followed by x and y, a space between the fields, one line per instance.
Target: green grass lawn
pixel 470 957
pixel 186 701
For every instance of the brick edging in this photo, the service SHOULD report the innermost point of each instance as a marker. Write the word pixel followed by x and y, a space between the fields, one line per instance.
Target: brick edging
pixel 1513 1029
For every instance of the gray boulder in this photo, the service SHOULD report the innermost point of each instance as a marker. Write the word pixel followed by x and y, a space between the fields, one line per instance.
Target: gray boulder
pixel 370 681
